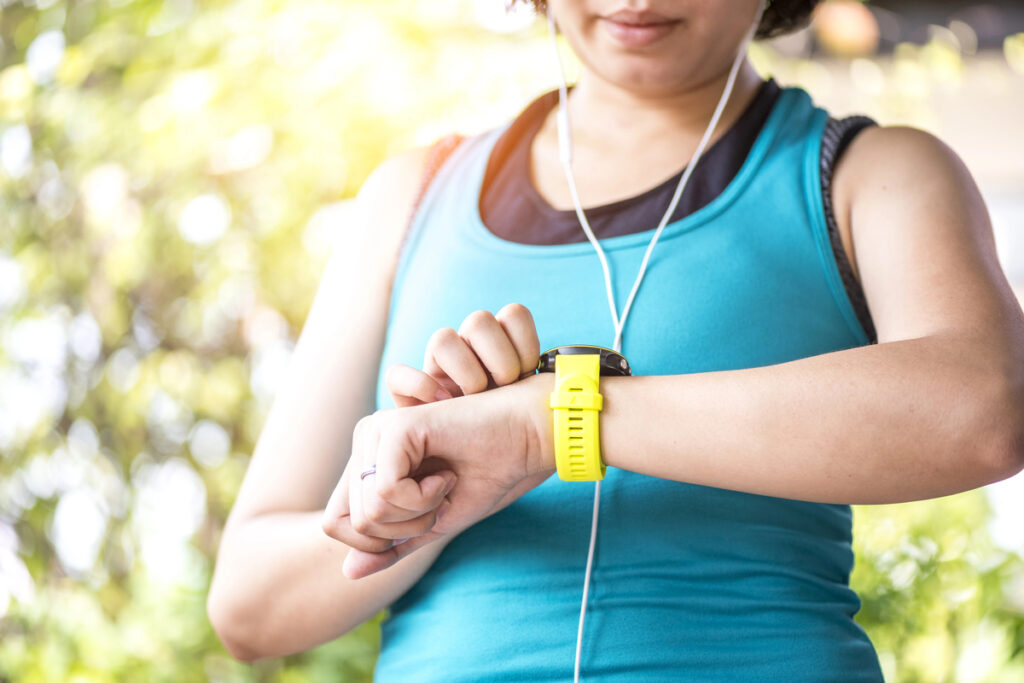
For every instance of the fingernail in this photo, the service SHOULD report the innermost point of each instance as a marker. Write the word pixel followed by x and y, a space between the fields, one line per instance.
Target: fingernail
pixel 399 541
pixel 441 395
pixel 441 512
pixel 450 485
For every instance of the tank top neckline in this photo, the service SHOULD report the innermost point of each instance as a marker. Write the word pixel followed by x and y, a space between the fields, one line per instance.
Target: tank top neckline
pixel 482 235
pixel 526 126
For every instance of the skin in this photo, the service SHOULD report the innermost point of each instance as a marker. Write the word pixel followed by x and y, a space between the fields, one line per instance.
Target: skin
pixel 935 408
pixel 657 99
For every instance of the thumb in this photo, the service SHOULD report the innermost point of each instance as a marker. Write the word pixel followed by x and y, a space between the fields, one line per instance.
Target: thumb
pixel 359 564
pixel 410 387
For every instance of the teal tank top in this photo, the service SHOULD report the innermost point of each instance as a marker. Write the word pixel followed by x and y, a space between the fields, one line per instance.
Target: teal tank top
pixel 690 583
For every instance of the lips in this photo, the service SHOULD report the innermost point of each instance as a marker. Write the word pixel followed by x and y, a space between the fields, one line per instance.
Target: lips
pixel 634 18
pixel 638 29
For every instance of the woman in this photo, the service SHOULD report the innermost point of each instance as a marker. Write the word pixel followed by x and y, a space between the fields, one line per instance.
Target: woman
pixel 759 409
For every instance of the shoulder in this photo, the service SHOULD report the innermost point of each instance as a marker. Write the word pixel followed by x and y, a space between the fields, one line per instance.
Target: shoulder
pixel 375 224
pixel 383 207
pixel 384 202
pixel 919 227
pixel 902 169
pixel 393 189
pixel 892 158
pixel 910 174
pixel 395 179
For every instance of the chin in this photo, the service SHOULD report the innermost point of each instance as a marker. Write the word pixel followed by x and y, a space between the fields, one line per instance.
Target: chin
pixel 648 76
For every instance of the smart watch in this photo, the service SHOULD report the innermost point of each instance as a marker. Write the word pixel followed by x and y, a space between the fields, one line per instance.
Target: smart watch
pixel 576 401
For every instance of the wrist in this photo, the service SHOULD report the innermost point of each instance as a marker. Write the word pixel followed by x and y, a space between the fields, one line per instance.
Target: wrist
pixel 541 440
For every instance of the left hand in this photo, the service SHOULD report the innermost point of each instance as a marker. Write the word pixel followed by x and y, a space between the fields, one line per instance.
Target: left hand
pixel 488 351
pixel 493 442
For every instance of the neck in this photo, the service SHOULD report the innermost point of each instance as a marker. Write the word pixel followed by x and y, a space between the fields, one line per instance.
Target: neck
pixel 597 106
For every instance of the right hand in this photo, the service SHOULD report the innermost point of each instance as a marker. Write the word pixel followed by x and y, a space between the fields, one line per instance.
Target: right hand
pixel 488 351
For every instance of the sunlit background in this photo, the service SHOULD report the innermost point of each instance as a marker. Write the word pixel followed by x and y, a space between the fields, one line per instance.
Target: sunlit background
pixel 173 176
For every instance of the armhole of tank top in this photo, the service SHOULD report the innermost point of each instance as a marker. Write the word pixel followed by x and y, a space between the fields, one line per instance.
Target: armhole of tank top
pixel 812 193
pixel 439 151
pixel 837 136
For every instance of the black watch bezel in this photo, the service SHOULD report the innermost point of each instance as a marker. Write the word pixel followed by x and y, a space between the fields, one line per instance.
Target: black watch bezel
pixel 613 363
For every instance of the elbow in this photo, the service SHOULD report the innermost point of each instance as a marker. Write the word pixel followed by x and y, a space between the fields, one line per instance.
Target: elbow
pixel 1005 430
pixel 232 625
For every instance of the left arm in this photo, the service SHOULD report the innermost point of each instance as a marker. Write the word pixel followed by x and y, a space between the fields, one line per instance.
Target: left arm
pixel 899 421
pixel 936 407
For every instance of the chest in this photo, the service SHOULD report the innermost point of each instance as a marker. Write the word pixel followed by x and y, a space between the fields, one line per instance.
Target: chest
pixel 604 173
pixel 746 281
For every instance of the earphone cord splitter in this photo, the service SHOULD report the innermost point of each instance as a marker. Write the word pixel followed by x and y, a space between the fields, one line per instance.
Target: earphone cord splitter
pixel 565 155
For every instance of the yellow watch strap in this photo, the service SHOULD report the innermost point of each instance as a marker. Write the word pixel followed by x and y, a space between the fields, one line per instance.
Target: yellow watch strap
pixel 576 402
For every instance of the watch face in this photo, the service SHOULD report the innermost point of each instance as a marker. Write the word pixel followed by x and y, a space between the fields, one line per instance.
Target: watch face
pixel 612 363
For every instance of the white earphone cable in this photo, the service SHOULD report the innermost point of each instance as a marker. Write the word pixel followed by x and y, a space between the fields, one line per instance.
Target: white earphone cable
pixel 565 154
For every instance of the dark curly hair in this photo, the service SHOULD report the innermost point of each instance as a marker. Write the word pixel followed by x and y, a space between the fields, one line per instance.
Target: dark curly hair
pixel 780 16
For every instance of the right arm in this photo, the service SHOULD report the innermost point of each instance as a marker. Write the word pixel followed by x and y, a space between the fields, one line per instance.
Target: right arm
pixel 278 587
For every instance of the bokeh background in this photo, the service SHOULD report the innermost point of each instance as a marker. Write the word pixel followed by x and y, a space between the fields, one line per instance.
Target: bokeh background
pixel 173 175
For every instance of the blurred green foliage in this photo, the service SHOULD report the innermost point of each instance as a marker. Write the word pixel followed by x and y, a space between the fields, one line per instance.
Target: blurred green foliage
pixel 172 178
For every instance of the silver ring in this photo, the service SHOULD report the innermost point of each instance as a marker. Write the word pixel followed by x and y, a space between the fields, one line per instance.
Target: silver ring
pixel 366 473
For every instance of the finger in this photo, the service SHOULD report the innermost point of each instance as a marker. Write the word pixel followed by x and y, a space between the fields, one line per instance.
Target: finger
pixel 349 529
pixel 449 357
pixel 336 511
pixel 359 563
pixel 398 451
pixel 344 532
pixel 339 523
pixel 380 537
pixel 489 341
pixel 373 537
pixel 364 449
pixel 337 520
pixel 522 332
pixel 411 387
pixel 386 452
pixel 380 514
